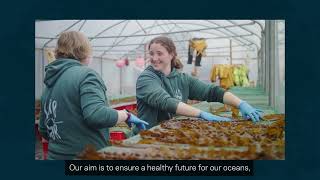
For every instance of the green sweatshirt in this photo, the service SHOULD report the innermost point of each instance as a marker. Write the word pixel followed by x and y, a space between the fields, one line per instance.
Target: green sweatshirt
pixel 74 110
pixel 158 95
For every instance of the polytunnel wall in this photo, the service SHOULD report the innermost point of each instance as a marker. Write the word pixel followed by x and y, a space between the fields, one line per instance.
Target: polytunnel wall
pixel 258 44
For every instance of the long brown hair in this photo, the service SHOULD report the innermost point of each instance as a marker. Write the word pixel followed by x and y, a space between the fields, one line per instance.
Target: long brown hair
pixel 170 47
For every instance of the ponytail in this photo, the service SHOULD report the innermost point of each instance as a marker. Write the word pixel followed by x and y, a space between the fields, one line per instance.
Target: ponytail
pixel 176 63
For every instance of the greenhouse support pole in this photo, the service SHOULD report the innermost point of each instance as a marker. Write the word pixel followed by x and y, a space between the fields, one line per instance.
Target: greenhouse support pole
pixel 120 81
pixel 101 68
pixel 270 57
pixel 276 67
pixel 43 72
pixel 267 64
pixel 272 63
pixel 231 51
pixel 212 62
pixel 263 62
pixel 145 55
pixel 279 89
pixel 261 71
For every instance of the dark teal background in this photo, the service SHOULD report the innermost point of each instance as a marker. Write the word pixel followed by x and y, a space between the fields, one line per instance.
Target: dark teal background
pixel 302 75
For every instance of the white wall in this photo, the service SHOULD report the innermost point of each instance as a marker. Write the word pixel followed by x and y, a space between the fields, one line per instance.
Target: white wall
pixel 40 63
pixel 96 65
pixel 110 73
pixel 111 76
pixel 129 78
pixel 119 81
pixel 105 68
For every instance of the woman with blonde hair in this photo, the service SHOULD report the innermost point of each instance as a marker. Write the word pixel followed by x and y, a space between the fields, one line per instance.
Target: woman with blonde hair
pixel 74 106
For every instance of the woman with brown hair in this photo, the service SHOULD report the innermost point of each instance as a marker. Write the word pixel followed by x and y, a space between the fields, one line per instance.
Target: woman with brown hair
pixel 74 106
pixel 162 91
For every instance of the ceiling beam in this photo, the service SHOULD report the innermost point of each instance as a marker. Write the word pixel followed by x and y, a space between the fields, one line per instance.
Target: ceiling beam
pixel 56 37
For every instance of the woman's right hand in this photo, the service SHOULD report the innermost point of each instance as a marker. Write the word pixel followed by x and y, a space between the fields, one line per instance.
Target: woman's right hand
pixel 210 117
pixel 132 119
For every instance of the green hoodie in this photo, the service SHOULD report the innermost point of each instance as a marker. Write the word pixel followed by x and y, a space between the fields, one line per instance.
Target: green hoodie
pixel 158 95
pixel 76 113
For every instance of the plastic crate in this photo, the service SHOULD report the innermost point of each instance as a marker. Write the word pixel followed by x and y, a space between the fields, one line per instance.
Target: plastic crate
pixel 117 135
pixel 45 145
pixel 38 136
pixel 127 106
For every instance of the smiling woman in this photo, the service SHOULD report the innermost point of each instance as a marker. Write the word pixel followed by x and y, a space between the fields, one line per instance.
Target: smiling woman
pixel 160 58
pixel 163 54
pixel 162 91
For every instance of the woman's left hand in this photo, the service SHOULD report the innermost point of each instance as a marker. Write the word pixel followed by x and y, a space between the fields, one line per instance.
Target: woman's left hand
pixel 210 117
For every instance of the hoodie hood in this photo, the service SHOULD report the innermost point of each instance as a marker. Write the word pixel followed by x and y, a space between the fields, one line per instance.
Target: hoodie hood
pixel 172 74
pixel 55 69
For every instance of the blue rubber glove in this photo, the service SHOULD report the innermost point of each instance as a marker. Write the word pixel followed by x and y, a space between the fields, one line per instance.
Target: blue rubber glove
pixel 248 112
pixel 132 119
pixel 210 117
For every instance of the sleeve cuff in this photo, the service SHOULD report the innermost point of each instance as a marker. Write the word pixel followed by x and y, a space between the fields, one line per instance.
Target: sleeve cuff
pixel 173 105
pixel 216 94
pixel 113 116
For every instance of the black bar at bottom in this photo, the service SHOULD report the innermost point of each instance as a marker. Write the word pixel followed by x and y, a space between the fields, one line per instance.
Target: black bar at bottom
pixel 159 168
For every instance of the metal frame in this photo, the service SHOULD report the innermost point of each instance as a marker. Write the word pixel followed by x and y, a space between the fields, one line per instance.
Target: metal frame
pixel 231 33
pixel 174 28
pixel 219 28
pixel 114 42
pixel 141 43
pixel 84 22
pixel 106 29
pixel 175 32
pixel 51 39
